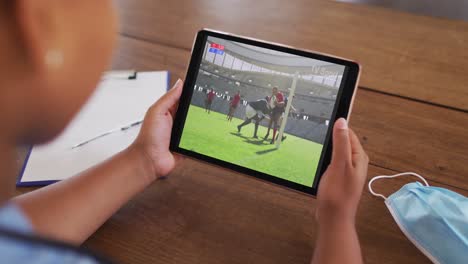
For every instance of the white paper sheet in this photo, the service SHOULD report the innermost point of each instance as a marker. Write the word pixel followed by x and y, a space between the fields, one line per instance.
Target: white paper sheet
pixel 115 104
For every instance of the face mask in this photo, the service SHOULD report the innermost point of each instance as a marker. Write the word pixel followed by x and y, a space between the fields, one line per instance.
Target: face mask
pixel 434 219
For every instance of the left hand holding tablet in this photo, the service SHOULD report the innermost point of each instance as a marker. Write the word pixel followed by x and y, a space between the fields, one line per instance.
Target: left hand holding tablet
pixel 155 134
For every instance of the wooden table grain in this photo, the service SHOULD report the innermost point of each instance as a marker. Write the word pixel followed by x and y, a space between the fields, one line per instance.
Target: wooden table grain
pixel 411 114
pixel 408 55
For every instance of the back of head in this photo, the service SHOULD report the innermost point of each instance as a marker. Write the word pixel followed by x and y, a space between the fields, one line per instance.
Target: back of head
pixel 52 56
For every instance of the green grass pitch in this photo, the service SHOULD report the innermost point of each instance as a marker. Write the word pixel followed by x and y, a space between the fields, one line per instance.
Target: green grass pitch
pixel 212 135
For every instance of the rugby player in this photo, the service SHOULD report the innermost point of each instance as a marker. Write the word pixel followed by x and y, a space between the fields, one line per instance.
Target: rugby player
pixel 277 104
pixel 209 100
pixel 256 110
pixel 233 106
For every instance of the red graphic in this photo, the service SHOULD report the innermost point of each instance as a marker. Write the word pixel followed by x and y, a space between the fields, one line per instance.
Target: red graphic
pixel 217 46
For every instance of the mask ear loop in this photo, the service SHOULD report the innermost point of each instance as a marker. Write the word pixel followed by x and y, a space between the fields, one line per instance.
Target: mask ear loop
pixel 369 186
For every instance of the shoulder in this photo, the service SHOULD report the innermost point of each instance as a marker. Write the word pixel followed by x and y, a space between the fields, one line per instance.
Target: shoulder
pixel 12 218
pixel 17 248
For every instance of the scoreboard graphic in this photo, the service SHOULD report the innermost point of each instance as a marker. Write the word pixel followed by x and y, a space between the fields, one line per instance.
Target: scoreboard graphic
pixel 216 49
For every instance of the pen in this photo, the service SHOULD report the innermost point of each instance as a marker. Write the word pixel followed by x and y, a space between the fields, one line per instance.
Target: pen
pixel 107 133
pixel 132 125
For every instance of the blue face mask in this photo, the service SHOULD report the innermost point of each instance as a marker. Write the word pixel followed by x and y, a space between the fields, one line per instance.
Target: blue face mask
pixel 434 219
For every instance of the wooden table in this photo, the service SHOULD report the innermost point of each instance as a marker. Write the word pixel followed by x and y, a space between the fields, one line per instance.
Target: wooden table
pixel 411 113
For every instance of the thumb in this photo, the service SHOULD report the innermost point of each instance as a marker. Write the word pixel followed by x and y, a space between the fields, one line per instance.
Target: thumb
pixel 171 97
pixel 341 146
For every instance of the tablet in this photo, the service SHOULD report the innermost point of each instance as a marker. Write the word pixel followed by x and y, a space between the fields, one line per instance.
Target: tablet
pixel 262 109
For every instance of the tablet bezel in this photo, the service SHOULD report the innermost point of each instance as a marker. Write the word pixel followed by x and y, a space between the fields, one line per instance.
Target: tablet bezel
pixel 342 106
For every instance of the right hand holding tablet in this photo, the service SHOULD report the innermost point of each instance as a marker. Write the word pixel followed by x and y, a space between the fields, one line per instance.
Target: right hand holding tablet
pixel 341 186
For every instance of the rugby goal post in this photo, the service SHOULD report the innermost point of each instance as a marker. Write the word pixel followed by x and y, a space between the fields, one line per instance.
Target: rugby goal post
pixel 286 111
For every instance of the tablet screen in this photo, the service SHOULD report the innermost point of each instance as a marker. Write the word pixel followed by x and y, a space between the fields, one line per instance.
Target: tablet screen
pixel 262 109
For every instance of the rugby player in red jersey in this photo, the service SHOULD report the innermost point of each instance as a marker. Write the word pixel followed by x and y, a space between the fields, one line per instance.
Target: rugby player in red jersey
pixel 209 100
pixel 277 104
pixel 233 106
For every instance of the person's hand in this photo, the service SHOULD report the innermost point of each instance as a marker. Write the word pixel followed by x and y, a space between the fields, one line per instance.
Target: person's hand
pixel 155 134
pixel 342 183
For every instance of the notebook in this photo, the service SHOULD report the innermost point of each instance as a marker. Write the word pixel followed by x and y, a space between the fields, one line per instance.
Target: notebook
pixel 106 125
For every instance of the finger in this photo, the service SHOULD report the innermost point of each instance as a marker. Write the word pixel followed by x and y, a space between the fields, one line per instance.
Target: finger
pixel 359 156
pixel 356 147
pixel 173 110
pixel 341 153
pixel 171 97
